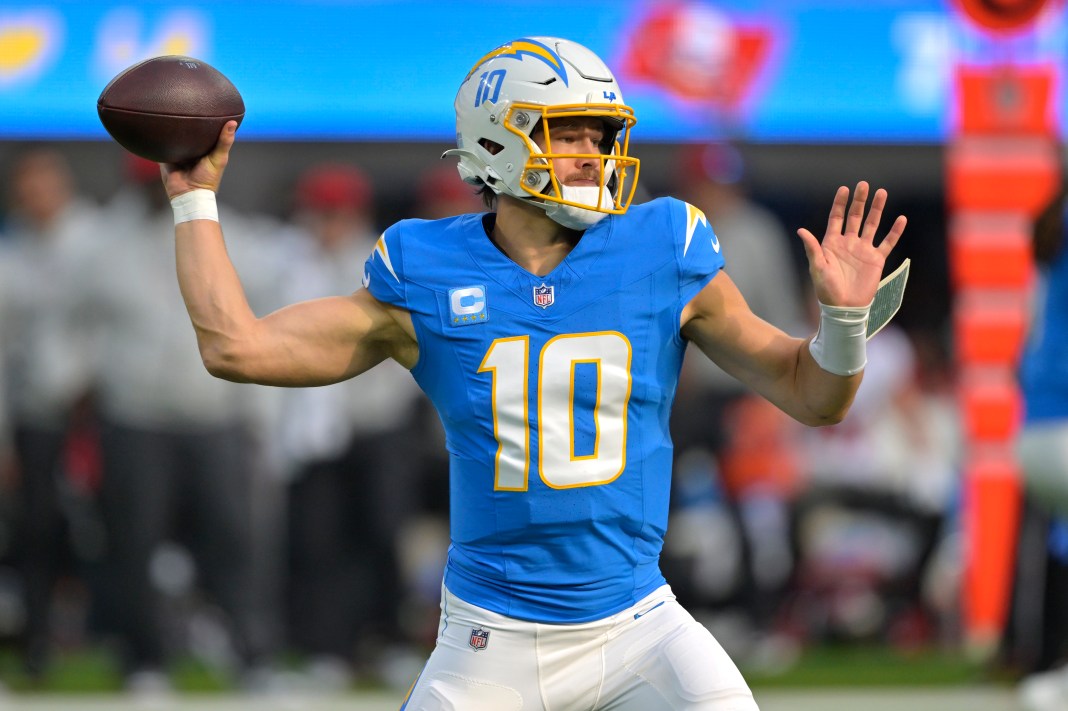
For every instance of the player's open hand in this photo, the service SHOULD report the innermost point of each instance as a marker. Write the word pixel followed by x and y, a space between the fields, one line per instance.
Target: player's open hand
pixel 205 173
pixel 847 265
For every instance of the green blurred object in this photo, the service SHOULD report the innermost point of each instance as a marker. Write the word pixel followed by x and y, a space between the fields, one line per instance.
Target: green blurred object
pixel 869 666
pixel 89 671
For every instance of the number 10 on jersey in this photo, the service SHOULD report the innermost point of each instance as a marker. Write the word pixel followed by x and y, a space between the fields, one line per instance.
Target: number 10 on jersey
pixel 507 360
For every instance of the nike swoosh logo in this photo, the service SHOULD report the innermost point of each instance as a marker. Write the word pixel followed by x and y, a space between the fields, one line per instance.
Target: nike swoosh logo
pixel 640 615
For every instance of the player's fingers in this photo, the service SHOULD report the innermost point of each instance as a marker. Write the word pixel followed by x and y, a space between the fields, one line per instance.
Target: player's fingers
pixel 856 209
pixel 228 132
pixel 893 235
pixel 875 215
pixel 838 211
pixel 227 136
pixel 221 153
pixel 812 247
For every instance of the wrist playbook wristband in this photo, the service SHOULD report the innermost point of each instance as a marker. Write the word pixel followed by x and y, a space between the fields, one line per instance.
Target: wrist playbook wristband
pixel 840 345
pixel 195 205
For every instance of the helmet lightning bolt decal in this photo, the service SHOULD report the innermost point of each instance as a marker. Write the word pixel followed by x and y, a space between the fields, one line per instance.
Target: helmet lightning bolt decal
pixel 383 251
pixel 530 48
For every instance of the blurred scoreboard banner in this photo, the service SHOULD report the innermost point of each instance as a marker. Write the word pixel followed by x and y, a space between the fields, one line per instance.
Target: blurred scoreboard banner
pixel 759 70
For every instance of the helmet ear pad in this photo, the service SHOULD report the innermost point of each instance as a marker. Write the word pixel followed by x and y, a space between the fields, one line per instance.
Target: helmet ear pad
pixel 508 148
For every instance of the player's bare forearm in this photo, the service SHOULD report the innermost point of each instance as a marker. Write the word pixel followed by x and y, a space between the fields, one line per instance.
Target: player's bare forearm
pixel 774 364
pixel 781 369
pixel 213 294
pixel 824 398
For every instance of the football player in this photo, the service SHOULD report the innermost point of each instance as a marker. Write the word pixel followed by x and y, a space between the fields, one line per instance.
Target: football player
pixel 549 331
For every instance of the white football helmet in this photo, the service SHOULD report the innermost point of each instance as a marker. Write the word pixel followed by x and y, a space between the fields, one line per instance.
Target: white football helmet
pixel 505 96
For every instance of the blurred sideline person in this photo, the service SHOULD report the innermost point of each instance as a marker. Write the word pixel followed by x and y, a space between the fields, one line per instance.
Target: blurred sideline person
pixel 875 492
pixel 756 253
pixel 549 334
pixel 440 193
pixel 717 415
pixel 350 472
pixel 8 467
pixel 1043 450
pixel 715 178
pixel 176 450
pixel 51 228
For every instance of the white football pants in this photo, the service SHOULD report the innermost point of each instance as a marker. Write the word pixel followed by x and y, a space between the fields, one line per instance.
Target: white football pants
pixel 651 657
pixel 1043 452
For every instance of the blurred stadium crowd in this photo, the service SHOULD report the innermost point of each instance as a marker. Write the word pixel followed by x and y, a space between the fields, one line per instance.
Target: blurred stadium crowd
pixel 297 537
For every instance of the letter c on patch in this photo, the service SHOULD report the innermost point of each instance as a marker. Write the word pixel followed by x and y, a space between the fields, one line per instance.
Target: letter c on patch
pixel 470 300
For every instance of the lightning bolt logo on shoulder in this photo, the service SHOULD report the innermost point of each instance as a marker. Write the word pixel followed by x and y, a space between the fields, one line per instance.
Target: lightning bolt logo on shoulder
pixel 694 217
pixel 382 251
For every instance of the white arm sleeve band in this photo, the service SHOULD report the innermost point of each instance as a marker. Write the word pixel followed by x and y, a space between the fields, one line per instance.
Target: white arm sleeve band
pixel 840 345
pixel 195 205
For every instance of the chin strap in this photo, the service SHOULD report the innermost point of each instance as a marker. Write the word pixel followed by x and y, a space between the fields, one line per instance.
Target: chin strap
pixel 579 218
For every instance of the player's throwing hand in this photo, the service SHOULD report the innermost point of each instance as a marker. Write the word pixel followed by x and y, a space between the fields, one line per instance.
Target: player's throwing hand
pixel 205 174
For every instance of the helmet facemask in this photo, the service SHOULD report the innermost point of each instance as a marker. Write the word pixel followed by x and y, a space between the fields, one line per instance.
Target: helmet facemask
pixel 572 206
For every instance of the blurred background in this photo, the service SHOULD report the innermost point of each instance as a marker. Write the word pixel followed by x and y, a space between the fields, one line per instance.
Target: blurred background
pixel 164 532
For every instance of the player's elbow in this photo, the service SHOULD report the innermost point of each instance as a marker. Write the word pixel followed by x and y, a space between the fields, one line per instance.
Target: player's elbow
pixel 814 415
pixel 826 419
pixel 827 412
pixel 822 399
pixel 224 371
pixel 223 361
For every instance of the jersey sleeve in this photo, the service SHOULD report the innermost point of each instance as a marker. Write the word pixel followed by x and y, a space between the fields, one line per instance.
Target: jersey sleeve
pixel 697 248
pixel 383 273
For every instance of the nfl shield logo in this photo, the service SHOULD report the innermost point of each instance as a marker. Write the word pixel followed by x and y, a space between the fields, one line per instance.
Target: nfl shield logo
pixel 543 295
pixel 479 638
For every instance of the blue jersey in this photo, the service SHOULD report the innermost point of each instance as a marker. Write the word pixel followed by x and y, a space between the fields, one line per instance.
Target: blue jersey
pixel 1044 368
pixel 554 392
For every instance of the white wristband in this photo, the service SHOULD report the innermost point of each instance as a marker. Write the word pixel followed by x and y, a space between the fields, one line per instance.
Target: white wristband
pixel 840 345
pixel 195 205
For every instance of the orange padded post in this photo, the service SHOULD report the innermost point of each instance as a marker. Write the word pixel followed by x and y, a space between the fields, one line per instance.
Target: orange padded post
pixel 1002 174
pixel 990 250
pixel 992 513
pixel 1007 101
pixel 1002 167
pixel 990 404
pixel 989 327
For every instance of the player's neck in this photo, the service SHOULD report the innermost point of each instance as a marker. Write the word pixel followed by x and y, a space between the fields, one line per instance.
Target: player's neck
pixel 529 238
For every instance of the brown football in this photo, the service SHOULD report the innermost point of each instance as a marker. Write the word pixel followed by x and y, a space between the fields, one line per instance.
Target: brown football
pixel 169 109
